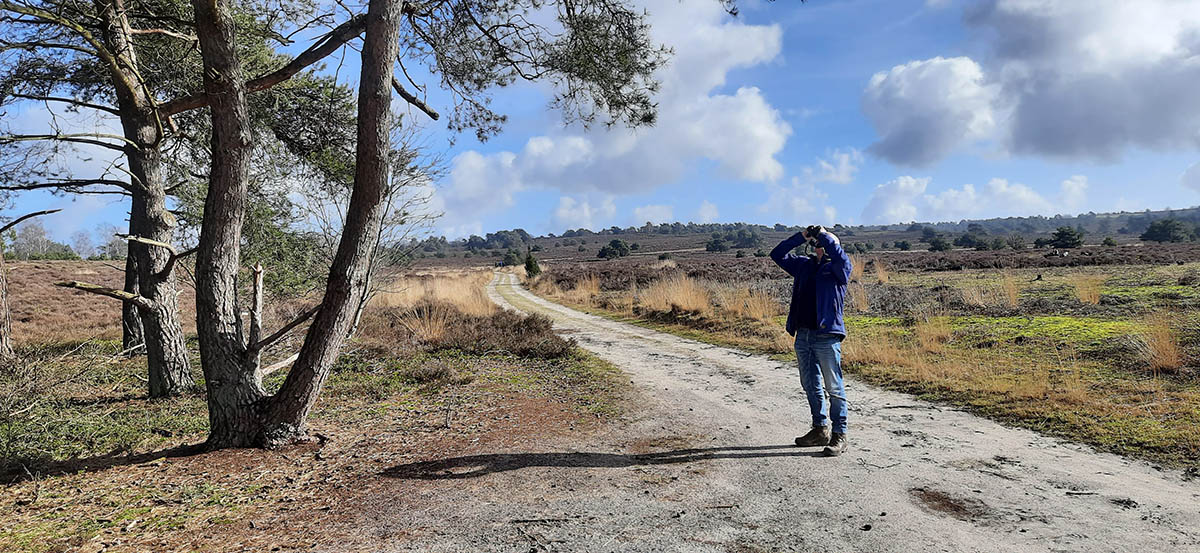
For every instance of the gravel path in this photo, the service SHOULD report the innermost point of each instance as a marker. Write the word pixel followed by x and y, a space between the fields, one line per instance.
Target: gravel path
pixel 704 465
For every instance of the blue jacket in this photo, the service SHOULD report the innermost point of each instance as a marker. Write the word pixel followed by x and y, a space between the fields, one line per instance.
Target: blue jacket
pixel 831 275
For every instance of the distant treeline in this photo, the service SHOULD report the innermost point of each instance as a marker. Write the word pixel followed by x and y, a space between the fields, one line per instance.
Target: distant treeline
pixel 1184 224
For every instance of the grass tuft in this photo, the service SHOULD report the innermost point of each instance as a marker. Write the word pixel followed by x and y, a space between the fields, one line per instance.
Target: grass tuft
pixel 676 293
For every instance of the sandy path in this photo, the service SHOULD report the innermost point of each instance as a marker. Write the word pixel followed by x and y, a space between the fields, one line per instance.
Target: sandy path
pixel 705 466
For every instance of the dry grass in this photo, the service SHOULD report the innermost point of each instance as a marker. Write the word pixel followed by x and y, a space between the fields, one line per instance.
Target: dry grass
pixel 1010 289
pixel 749 304
pixel 933 333
pixel 46 314
pixel 858 297
pixel 465 290
pixel 1088 287
pixel 664 265
pixel 1162 345
pixel 679 292
pixel 879 350
pixel 882 273
pixel 857 265
pixel 585 290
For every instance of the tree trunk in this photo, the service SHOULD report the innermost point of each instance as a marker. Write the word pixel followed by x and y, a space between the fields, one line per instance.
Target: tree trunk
pixel 240 413
pixel 287 415
pixel 235 393
pixel 166 351
pixel 6 350
pixel 133 339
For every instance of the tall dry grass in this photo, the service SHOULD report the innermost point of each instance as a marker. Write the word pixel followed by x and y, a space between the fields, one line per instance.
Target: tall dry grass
pixel 1163 352
pixel 425 301
pixel 882 349
pixel 1088 287
pixel 1010 290
pixel 858 297
pixel 585 290
pixel 677 292
pixel 933 332
pixel 882 273
pixel 857 266
pixel 750 304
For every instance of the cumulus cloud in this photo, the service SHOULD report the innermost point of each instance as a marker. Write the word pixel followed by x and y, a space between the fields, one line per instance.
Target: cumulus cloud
pixel 1191 177
pixel 708 212
pixel 1061 79
pixel 906 199
pixel 573 213
pixel 659 213
pixel 741 132
pixel 806 195
pixel 924 109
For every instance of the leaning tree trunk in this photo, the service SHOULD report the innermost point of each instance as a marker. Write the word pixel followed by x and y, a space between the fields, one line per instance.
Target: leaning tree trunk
pixel 287 415
pixel 166 351
pixel 240 413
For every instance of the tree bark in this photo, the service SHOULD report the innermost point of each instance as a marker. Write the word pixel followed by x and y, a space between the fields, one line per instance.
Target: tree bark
pixel 133 339
pixel 166 351
pixel 287 415
pixel 6 349
pixel 235 393
pixel 240 413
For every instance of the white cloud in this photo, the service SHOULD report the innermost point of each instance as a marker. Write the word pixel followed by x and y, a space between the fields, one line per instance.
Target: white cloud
pixel 1191 177
pixel 839 168
pixel 660 213
pixel 572 213
pixel 803 197
pixel 741 132
pixel 893 201
pixel 708 212
pixel 1074 192
pixel 1060 79
pixel 924 109
pixel 905 199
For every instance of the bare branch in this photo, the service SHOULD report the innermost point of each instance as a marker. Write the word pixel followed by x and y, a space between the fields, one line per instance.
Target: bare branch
pixel 71 101
pixel 18 220
pixel 413 100
pixel 122 295
pixel 79 138
pixel 148 242
pixel 266 342
pixel 166 32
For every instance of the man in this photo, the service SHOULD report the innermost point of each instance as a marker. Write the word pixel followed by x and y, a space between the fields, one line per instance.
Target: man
pixel 815 319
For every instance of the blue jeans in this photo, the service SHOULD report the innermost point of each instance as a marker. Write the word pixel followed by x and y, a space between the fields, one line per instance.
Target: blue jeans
pixel 819 356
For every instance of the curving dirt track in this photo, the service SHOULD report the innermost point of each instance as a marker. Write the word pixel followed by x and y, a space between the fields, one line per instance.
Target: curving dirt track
pixel 704 465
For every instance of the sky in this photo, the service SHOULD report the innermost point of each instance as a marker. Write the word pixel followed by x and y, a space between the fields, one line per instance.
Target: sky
pixel 843 111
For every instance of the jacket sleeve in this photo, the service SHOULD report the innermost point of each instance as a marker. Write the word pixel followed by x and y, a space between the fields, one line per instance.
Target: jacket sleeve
pixel 837 257
pixel 786 260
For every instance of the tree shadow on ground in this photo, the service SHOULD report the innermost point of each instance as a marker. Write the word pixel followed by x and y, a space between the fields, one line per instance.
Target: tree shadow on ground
pixel 17 470
pixel 474 466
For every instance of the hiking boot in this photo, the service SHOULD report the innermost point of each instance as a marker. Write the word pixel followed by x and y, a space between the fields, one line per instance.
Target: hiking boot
pixel 837 445
pixel 818 436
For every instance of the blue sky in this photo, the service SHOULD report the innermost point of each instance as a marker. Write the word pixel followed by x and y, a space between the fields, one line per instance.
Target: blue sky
pixel 851 111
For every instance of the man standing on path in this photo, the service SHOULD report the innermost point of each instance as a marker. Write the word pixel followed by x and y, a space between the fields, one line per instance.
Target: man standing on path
pixel 815 319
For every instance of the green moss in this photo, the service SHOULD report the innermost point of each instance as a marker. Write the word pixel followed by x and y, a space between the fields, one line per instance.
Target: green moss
pixel 1066 330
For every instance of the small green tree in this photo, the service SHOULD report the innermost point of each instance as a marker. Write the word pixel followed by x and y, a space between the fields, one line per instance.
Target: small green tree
pixel 1066 237
pixel 512 258
pixel 904 245
pixel 740 253
pixel 1108 241
pixel 532 268
pixel 939 244
pixel 1016 241
pixel 717 244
